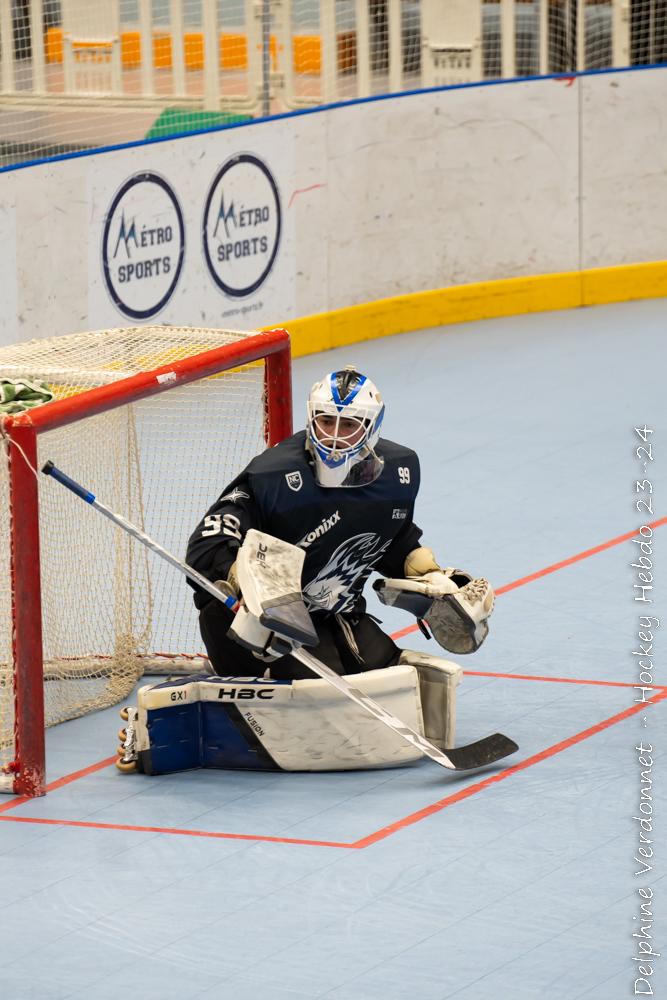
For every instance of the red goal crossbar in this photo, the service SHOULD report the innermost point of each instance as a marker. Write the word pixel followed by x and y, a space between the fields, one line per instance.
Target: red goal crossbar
pixel 21 430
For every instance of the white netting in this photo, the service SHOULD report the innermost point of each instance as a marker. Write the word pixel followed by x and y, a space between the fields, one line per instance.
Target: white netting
pixel 109 606
pixel 342 50
pixel 86 73
pixel 532 37
pixel 89 73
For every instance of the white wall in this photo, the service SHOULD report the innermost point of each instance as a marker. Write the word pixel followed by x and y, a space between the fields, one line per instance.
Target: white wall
pixel 376 199
pixel 624 167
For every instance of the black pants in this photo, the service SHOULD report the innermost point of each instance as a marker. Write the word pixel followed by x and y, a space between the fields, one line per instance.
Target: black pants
pixel 229 659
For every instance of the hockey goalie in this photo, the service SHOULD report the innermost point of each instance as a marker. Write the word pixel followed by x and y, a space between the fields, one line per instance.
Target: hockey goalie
pixel 293 539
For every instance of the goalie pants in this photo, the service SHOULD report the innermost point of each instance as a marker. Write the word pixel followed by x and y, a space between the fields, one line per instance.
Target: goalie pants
pixel 348 644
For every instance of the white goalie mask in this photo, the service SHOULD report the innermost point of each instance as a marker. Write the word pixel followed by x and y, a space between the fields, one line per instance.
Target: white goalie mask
pixel 345 411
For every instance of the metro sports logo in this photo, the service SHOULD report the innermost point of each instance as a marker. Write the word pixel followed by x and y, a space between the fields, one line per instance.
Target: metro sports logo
pixel 241 225
pixel 143 245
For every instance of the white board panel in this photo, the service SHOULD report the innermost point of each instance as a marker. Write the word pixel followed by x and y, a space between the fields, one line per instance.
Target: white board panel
pixel 9 324
pixel 452 187
pixel 624 167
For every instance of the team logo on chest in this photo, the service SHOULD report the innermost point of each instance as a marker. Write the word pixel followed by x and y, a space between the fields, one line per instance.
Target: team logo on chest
pixel 336 585
pixel 294 481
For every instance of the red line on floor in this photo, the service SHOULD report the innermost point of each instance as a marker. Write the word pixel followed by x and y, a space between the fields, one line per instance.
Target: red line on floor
pixel 553 568
pixel 494 779
pixel 74 776
pixel 172 830
pixel 83 773
pixel 562 680
pixel 573 559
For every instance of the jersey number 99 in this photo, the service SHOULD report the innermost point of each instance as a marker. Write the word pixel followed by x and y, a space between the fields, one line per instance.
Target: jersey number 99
pixel 226 524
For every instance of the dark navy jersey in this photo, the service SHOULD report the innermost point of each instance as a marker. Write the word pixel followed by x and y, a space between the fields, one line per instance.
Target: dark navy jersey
pixel 346 532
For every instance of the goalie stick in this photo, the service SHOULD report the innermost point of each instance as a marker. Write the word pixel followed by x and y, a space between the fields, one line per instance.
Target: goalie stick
pixel 473 755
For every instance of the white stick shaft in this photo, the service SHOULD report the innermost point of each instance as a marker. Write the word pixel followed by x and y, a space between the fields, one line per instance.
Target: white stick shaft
pixel 84 494
pixel 151 544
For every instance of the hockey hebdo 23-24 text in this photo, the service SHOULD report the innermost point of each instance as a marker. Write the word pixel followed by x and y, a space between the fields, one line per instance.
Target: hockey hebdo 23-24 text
pixel 644 955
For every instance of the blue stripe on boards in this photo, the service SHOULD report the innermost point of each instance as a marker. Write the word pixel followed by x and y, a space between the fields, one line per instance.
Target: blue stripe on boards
pixel 326 107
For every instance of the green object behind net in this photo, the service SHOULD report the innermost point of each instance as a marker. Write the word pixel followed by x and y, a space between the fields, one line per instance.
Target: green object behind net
pixel 173 121
pixel 17 395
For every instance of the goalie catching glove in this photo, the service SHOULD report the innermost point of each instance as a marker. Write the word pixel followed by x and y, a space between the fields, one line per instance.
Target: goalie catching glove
pixel 455 605
pixel 272 619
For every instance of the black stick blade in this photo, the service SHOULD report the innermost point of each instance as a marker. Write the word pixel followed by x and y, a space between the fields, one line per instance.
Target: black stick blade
pixel 481 753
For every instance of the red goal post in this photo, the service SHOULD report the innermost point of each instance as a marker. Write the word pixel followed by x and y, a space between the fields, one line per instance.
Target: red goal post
pixel 83 611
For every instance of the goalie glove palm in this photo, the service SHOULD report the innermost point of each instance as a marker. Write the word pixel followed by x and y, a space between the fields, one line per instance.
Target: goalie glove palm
pixel 459 621
pixel 455 605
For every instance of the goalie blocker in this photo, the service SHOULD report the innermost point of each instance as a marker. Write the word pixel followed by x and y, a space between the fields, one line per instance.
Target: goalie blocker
pixel 304 725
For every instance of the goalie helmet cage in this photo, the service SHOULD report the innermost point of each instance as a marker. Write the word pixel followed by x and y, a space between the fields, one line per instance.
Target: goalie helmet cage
pixel 156 421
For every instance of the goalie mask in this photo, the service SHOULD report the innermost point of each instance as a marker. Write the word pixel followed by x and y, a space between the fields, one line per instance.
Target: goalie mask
pixel 345 411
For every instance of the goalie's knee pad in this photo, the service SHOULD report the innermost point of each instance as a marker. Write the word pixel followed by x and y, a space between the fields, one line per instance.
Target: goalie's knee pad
pixel 438 680
pixel 263 724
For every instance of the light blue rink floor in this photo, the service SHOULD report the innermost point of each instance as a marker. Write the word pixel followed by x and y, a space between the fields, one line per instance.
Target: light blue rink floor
pixel 506 884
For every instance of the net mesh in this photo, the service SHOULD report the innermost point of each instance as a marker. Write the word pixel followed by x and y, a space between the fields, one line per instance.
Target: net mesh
pixel 110 608
pixel 88 73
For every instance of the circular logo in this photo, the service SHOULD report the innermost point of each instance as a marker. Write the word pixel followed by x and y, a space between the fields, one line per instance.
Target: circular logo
pixel 241 226
pixel 143 245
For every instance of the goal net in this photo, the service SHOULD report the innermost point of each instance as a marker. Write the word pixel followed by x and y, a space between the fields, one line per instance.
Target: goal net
pixel 155 422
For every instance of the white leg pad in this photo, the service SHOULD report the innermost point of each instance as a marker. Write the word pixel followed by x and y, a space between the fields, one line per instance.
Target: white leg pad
pixel 438 680
pixel 257 723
